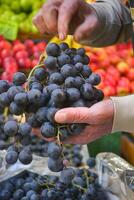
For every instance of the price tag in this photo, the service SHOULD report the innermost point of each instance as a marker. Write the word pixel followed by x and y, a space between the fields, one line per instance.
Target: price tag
pixel 130 179
pixel 8 29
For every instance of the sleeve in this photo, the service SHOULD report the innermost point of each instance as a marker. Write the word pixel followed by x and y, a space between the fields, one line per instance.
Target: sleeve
pixel 116 23
pixel 124 113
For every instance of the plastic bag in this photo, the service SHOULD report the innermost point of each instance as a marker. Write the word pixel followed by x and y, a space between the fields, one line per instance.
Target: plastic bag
pixel 115 174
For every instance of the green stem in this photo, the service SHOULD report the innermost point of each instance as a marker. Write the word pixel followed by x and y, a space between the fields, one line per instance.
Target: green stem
pixel 78 186
pixel 5 112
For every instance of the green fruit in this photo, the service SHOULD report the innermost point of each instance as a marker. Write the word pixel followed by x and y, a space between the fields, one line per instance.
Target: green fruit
pixel 25 27
pixel 6 2
pixel 7 15
pixel 34 29
pixel 37 5
pixel 15 6
pixel 26 5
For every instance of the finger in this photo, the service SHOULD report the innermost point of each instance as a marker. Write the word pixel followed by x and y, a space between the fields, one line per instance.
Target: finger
pixel 50 16
pixel 73 115
pixel 90 134
pixel 86 29
pixel 39 23
pixel 66 12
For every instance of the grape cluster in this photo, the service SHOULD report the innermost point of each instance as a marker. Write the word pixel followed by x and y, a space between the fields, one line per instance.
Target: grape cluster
pixel 72 184
pixel 62 79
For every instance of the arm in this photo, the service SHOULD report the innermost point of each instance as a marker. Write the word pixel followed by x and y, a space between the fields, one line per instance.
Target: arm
pixel 124 114
pixel 116 23
pixel 98 24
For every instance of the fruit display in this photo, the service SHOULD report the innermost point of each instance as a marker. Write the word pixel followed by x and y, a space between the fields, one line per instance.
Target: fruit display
pixel 72 184
pixel 16 16
pixel 62 79
pixel 18 56
pixel 115 65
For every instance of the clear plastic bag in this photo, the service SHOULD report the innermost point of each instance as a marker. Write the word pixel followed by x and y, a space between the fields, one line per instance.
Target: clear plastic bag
pixel 116 175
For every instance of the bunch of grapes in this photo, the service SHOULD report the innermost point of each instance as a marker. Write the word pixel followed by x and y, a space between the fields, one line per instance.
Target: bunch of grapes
pixel 78 184
pixel 62 79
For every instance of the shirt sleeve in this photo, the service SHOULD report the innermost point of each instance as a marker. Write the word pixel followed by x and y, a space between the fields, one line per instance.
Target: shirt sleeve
pixel 116 23
pixel 124 113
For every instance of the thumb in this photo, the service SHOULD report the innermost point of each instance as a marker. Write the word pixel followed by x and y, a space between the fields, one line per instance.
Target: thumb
pixel 73 115
pixel 86 29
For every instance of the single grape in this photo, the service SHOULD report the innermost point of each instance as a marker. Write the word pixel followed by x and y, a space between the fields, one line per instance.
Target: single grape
pixel 68 70
pixel 51 113
pixel 58 96
pixel 4 86
pixel 67 175
pixel 48 130
pixel 77 59
pixel 56 78
pixel 34 197
pixel 54 150
pixel 16 109
pixel 91 162
pixel 4 99
pixel 79 66
pixel 73 94
pixel 33 95
pixel 81 51
pixel 41 114
pixel 70 82
pixel 40 74
pixel 25 157
pixel 51 63
pixel 53 49
pixel 86 60
pixel 25 129
pixel 21 98
pixel 19 78
pixel 87 91
pixel 94 79
pixel 55 165
pixel 36 85
pixel 78 81
pixel 86 71
pixel 63 46
pixel 11 157
pixel 11 128
pixel 99 95
pixel 63 59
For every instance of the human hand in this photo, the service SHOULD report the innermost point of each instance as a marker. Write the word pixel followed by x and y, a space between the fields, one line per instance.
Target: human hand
pixel 64 17
pixel 99 118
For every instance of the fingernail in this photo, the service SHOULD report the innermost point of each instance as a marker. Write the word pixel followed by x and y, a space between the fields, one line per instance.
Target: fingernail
pixel 62 36
pixel 60 117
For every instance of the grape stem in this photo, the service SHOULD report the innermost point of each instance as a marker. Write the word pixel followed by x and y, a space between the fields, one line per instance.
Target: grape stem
pixel 5 112
pixel 78 186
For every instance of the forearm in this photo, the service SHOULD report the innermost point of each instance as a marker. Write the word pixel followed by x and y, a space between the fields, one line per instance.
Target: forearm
pixel 124 113
pixel 116 23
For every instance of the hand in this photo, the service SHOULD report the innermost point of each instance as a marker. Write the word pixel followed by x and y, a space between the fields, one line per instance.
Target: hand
pixel 64 17
pixel 99 117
